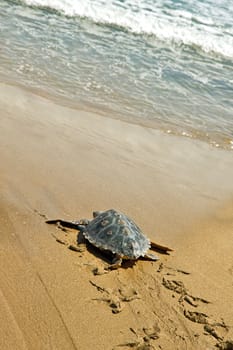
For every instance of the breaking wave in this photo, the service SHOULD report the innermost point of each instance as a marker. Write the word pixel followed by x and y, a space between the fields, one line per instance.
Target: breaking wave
pixel 191 23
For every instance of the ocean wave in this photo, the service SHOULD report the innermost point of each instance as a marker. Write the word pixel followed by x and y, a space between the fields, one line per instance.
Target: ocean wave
pixel 177 26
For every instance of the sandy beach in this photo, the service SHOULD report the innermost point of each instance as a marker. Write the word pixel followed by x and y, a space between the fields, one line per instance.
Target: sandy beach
pixel 58 162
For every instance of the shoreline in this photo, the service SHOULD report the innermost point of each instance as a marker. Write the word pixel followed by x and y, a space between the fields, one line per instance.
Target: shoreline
pixel 66 163
pixel 224 144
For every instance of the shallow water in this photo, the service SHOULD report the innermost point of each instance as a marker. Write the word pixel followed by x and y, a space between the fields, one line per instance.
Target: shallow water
pixel 164 64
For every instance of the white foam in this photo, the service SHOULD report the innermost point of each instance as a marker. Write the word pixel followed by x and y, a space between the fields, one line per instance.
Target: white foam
pixel 147 17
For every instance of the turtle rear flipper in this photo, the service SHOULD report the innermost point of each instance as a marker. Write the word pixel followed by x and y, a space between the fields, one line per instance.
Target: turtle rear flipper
pixel 116 262
pixel 161 248
pixel 152 257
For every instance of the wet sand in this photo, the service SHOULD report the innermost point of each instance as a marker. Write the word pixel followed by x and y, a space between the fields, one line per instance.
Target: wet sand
pixel 58 162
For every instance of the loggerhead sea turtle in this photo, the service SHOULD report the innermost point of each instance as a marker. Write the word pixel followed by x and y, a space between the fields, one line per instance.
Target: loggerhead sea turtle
pixel 113 231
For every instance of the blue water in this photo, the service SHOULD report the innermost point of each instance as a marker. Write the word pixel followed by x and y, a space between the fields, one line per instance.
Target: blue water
pixel 163 64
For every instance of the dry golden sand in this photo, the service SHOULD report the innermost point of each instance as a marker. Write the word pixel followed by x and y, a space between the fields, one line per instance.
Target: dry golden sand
pixel 59 162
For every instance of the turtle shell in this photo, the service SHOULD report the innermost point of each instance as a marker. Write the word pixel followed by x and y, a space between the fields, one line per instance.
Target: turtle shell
pixel 116 232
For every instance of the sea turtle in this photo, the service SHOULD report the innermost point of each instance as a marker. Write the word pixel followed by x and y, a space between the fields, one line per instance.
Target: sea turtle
pixel 113 231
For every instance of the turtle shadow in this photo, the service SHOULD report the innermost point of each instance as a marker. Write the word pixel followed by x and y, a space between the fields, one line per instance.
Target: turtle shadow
pixel 105 255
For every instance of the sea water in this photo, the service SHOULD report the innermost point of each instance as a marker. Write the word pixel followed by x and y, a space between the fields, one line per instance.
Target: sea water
pixel 165 64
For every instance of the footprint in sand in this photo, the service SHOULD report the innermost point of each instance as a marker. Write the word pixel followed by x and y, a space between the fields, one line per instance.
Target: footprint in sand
pixel 144 339
pixel 116 299
pixel 179 288
pixel 218 330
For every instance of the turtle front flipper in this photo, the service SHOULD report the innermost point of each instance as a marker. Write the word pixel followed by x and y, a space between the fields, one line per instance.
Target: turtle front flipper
pixel 161 248
pixel 77 225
